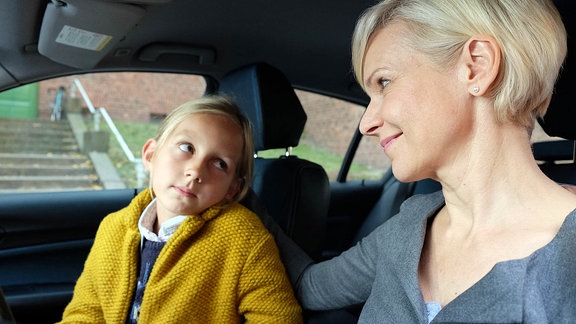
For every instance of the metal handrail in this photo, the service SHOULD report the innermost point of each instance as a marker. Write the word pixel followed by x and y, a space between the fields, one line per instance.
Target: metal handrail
pixel 102 112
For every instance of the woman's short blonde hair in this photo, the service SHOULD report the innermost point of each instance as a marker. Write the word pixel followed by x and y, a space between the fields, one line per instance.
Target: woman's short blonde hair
pixel 219 105
pixel 530 33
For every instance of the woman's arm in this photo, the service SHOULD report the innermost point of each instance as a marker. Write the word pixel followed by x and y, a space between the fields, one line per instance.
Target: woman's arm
pixel 343 281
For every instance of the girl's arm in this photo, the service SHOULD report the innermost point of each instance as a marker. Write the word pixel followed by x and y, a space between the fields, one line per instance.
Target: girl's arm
pixel 294 258
pixel 84 306
pixel 266 295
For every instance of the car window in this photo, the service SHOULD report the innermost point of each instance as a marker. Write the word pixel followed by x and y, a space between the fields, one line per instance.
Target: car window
pixel 328 133
pixel 85 132
pixel 329 129
pixel 94 140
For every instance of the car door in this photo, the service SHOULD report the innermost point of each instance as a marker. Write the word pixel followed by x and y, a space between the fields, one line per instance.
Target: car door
pixel 44 241
pixel 62 173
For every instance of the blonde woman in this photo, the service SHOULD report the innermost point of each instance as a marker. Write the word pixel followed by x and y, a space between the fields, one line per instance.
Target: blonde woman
pixel 455 87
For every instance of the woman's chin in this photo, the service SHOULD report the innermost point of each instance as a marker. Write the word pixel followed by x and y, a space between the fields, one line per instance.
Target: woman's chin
pixel 405 175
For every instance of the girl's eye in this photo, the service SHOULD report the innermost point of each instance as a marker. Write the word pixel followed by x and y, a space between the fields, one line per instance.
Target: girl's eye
pixel 185 147
pixel 220 164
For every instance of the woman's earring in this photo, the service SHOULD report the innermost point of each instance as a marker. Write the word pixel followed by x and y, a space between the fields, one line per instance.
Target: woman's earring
pixel 475 89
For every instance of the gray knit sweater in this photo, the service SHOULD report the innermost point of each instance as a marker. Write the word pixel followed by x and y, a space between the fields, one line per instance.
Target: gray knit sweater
pixel 382 272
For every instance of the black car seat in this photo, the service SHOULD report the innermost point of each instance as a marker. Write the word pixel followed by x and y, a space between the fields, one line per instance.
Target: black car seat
pixel 6 316
pixel 558 158
pixel 296 192
pixel 393 195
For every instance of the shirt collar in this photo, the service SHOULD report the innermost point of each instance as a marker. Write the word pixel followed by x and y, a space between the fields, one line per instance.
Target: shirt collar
pixel 148 219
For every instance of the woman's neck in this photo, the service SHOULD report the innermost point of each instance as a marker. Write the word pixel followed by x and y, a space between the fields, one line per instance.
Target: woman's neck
pixel 498 177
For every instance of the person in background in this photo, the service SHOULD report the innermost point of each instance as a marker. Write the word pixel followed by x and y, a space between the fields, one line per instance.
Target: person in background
pixel 455 87
pixel 184 250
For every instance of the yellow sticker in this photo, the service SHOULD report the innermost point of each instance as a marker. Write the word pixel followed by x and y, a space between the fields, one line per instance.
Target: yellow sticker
pixel 81 38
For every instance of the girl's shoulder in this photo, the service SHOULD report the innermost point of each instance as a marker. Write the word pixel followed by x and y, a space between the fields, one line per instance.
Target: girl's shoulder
pixel 130 214
pixel 241 218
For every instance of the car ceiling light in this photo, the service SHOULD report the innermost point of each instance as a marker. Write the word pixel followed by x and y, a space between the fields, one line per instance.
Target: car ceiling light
pixel 79 33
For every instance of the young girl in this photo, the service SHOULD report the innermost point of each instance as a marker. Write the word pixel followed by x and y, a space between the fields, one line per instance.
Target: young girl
pixel 185 250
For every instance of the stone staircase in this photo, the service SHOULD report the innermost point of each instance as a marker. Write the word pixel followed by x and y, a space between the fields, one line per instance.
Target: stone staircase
pixel 40 155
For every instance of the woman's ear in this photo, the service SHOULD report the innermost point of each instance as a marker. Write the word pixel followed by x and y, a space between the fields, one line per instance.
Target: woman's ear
pixel 481 55
pixel 148 152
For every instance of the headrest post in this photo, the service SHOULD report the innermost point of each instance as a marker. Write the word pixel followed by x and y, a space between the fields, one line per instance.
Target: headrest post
pixel 289 151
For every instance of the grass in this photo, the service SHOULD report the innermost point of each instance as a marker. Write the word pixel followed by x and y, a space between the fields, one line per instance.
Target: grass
pixel 135 134
pixel 331 162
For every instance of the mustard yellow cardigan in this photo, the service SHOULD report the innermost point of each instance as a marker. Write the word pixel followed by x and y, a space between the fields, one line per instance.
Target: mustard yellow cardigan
pixel 219 267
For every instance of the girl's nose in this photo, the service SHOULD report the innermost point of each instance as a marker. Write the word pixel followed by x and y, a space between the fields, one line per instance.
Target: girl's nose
pixel 195 170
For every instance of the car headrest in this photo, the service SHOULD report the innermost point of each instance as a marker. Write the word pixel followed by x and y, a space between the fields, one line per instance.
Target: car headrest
pixel 560 119
pixel 268 100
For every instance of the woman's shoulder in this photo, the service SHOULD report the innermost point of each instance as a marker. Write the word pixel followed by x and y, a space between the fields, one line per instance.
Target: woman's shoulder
pixel 565 238
pixel 422 202
pixel 412 218
pixel 418 208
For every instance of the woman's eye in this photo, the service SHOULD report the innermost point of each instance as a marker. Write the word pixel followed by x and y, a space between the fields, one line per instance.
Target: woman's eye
pixel 186 147
pixel 383 83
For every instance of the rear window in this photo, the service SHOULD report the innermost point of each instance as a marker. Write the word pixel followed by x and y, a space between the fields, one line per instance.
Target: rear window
pixel 327 135
pixel 85 132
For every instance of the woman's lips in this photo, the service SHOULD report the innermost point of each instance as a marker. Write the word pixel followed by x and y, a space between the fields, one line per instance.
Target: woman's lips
pixel 388 141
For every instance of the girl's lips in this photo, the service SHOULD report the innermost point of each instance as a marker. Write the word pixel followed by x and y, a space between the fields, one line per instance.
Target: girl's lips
pixel 185 191
pixel 389 140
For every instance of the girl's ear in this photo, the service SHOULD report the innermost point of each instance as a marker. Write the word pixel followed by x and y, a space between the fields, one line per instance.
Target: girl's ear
pixel 148 152
pixel 481 55
pixel 233 189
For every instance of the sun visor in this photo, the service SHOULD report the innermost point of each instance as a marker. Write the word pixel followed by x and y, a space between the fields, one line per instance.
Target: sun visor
pixel 79 33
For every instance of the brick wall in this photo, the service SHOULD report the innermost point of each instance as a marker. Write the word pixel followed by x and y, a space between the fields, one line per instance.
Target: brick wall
pixel 127 96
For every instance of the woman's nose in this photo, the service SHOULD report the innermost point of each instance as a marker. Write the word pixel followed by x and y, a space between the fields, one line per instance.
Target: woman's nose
pixel 371 120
